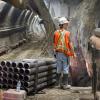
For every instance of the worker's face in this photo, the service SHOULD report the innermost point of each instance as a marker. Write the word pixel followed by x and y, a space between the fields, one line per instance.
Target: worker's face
pixel 65 25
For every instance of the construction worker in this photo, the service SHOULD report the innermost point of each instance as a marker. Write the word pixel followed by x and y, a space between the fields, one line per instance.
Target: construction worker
pixel 63 50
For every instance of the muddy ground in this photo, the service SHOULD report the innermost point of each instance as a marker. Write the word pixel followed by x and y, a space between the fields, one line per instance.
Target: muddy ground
pixel 75 93
pixel 29 50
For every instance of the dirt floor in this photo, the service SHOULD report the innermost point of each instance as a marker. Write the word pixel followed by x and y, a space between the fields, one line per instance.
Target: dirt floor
pixel 26 51
pixel 75 93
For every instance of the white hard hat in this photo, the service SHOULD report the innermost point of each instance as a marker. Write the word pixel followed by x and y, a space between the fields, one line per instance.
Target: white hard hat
pixel 63 20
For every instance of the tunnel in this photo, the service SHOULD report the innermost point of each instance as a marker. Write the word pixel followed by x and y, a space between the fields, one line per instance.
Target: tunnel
pixel 27 28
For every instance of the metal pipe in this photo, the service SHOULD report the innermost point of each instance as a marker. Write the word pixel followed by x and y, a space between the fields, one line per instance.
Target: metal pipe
pixel 5 68
pixel 10 81
pixel 30 71
pixel 5 74
pixel 10 75
pixel 16 76
pixel 29 78
pixel 43 85
pixel 22 71
pixel 44 62
pixel 34 64
pixel 37 63
pixel 44 74
pixel 1 68
pixel 46 68
pixel 29 65
pixel 29 89
pixel 1 80
pixel 3 63
pixel 40 69
pixel 39 87
pixel 45 79
pixel 11 69
pixel 14 64
pixel 28 84
pixel 1 74
pixel 21 77
pixel 16 70
pixel 50 62
pixel 40 75
pixel 8 63
pixel 21 64
pixel 24 62
pixel 14 82
pixel 22 83
pixel 5 80
pixel 30 60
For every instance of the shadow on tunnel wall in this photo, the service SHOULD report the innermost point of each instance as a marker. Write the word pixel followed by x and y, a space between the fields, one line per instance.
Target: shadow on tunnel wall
pixel 11 31
pixel 82 78
pixel 17 25
pixel 84 21
pixel 8 15
pixel 3 12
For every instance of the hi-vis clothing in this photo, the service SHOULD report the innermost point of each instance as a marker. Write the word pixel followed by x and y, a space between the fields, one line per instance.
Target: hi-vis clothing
pixel 62 42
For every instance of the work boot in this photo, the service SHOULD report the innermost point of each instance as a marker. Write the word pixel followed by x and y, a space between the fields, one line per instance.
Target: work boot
pixel 58 80
pixel 65 82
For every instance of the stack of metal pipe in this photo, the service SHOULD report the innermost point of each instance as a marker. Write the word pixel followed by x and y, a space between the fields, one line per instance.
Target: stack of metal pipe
pixel 33 74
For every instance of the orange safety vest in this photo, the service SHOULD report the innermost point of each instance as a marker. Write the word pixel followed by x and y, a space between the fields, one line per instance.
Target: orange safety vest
pixel 62 42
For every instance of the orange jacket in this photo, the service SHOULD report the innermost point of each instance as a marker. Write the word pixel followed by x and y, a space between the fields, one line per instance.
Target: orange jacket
pixel 64 46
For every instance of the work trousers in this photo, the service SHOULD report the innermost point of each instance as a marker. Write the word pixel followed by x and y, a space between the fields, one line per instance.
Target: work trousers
pixel 62 63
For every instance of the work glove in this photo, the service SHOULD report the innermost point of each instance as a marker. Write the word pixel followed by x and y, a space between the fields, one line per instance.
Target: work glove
pixel 54 54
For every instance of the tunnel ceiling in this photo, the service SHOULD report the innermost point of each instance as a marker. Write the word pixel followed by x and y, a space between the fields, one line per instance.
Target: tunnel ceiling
pixel 24 4
pixel 69 2
pixel 18 3
pixel 72 2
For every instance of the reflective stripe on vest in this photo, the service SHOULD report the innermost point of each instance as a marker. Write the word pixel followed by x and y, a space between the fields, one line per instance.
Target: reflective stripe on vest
pixel 61 42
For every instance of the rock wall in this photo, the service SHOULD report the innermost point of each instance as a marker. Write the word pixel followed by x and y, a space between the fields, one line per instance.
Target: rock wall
pixel 84 18
pixel 84 21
